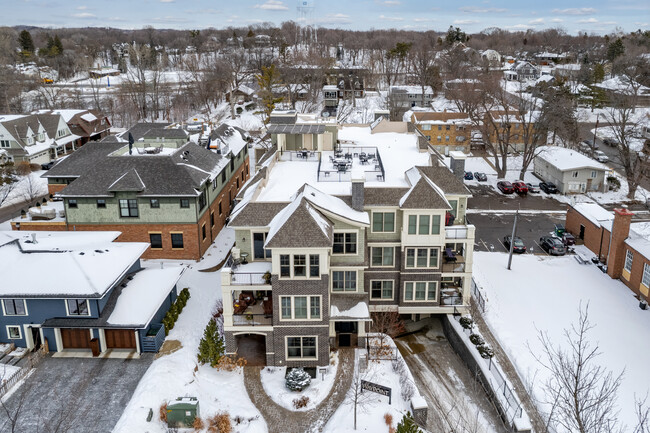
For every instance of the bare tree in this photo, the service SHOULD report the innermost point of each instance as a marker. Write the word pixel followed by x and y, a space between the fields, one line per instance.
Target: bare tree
pixel 386 325
pixel 356 395
pixel 583 391
pixel 13 412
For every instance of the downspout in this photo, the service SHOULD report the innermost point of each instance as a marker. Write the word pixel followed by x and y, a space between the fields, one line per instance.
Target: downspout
pixel 600 247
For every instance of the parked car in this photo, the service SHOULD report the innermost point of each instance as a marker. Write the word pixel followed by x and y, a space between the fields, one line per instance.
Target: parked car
pixel 520 187
pixel 552 245
pixel 517 246
pixel 589 144
pixel 505 187
pixel 600 156
pixel 481 177
pixel 468 175
pixel 568 240
pixel 532 188
pixel 548 187
pixel 610 142
pixel 48 165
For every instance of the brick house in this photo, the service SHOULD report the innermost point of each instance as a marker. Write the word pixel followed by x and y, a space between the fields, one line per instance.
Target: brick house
pixel 445 131
pixel 315 255
pixel 622 245
pixel 176 198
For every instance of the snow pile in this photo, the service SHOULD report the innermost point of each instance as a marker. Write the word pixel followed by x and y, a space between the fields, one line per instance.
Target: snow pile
pixel 359 311
pixel 520 306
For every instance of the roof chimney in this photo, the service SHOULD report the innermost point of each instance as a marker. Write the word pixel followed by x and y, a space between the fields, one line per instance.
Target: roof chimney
pixel 620 232
pixel 358 194
pixel 457 163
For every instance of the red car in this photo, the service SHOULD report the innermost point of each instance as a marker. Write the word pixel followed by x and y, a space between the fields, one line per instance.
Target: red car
pixel 505 187
pixel 520 187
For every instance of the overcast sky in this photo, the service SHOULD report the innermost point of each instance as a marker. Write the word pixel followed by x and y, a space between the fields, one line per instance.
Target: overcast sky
pixel 599 16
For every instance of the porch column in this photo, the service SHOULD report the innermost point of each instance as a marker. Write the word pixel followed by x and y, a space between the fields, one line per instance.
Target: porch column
pixel 102 340
pixel 137 341
pixel 57 339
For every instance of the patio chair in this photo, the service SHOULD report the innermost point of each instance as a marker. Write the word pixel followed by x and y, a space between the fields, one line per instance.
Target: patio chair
pixel 449 255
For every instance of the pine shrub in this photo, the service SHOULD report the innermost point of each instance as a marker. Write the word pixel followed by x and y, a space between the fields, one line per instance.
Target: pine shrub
pixel 485 351
pixel 466 322
pixel 211 347
pixel 408 425
pixel 476 339
pixel 297 379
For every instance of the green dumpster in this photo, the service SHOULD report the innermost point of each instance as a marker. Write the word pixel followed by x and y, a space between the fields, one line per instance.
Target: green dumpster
pixel 182 412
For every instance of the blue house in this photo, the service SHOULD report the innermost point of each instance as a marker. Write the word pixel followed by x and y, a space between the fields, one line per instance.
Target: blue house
pixel 74 290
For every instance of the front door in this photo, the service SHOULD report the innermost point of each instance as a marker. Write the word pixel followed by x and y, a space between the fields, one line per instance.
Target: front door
pixel 582 232
pixel 346 333
pixel 36 338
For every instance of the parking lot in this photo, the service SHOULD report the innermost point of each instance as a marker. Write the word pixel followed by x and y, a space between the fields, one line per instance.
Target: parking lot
pixel 492 227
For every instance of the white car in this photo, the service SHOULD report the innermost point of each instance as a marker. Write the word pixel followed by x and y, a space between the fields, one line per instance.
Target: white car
pixel 600 156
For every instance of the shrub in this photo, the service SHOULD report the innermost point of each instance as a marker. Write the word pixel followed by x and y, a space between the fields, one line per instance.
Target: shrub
pixel 198 424
pixel 613 182
pixel 388 419
pixel 485 351
pixel 408 425
pixel 466 322
pixel 301 402
pixel 211 347
pixel 220 423
pixel 297 379
pixel 407 388
pixel 230 363
pixel 162 411
pixel 476 339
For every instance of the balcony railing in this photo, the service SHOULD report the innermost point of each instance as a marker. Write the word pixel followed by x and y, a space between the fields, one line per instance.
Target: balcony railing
pixel 248 278
pixel 458 266
pixel 448 299
pixel 452 232
pixel 248 319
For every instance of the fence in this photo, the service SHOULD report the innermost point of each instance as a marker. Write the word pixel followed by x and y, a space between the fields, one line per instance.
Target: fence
pixel 479 300
pixel 248 319
pixel 32 361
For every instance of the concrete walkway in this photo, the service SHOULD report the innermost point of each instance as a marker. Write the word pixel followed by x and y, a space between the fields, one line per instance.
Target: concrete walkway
pixel 281 420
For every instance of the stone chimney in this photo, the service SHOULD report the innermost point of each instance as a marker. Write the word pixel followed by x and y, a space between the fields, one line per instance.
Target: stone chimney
pixel 620 232
pixel 358 194
pixel 457 163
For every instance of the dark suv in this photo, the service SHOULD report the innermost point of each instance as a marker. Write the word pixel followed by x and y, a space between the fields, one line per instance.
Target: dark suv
pixel 552 245
pixel 505 187
pixel 548 187
pixel 517 246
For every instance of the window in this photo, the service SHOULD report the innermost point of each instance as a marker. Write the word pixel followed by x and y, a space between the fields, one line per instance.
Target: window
pixel 4 143
pixel 421 257
pixel 13 333
pixel 439 138
pixel 214 184
pixel 223 176
pixel 314 265
pixel 383 222
pixel 574 174
pixel 301 347
pixel 446 138
pixel 185 203
pixel 382 256
pixel 345 243
pixel 203 199
pixel 128 208
pixel 177 240
pixel 439 127
pixel 154 203
pixel 259 239
pixel 593 174
pixel 77 307
pixel 299 265
pixel 420 291
pixel 344 281
pixel 381 289
pixel 211 219
pixel 220 212
pixel 423 226
pixel 413 221
pixel 645 280
pixel 629 256
pixel 454 207
pixel 242 176
pixel 14 307
pixel 435 225
pixel 232 165
pixel 237 183
pixel 203 233
pixel 426 127
pixel 285 265
pixel 101 203
pixel 447 127
pixel 155 239
pixel 72 203
pixel 300 307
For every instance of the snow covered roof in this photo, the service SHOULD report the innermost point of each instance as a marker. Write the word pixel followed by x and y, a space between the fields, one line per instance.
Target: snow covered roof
pixel 297 225
pixel 89 117
pixel 347 307
pixel 64 264
pixel 622 85
pixel 334 205
pixel 417 90
pixel 143 295
pixel 567 159
pixel 639 238
pixel 594 213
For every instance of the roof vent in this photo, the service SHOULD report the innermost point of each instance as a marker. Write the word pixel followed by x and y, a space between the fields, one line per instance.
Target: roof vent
pixel 81 253
pixel 99 251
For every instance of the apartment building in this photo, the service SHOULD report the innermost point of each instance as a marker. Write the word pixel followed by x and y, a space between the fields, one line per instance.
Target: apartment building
pixel 446 131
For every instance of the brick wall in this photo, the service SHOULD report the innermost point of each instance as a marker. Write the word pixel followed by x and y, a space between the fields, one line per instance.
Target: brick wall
pixel 55 187
pixel 595 237
pixel 636 275
pixel 620 232
pixel 39 226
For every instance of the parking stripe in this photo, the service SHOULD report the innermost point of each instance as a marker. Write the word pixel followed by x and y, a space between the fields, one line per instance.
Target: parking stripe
pixel 503 245
pixel 541 249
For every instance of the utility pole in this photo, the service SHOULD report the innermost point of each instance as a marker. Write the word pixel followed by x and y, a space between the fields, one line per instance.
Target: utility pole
pixel 512 239
pixel 593 145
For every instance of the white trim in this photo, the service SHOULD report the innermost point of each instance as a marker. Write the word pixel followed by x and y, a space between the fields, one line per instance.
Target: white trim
pixel 293 309
pixel 4 311
pixel 415 257
pixel 20 332
pixel 292 275
pixel 426 291
pixel 356 279
pixel 102 340
pixel 372 265
pixel 301 358
pixel 58 339
pixel 382 291
pixel 377 211
pixel 137 341
pixel 29 340
pixel 646 270
pixel 356 232
pixel 628 254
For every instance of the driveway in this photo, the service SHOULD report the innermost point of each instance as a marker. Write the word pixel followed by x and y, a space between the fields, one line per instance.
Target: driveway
pixel 75 395
pixel 453 396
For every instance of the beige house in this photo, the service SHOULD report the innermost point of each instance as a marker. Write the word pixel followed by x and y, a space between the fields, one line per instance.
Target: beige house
pixel 571 171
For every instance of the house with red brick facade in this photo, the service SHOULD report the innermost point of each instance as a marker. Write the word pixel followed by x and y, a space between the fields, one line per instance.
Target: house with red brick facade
pixel 623 245
pixel 174 197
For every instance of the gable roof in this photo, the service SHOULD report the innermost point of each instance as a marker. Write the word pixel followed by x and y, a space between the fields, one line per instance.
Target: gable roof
pixel 257 214
pixel 99 171
pixel 444 179
pixel 568 159
pixel 424 195
pixel 299 224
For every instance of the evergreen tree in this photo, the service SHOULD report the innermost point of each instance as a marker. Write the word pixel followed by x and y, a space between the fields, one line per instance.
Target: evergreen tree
pixel 58 46
pixel 211 347
pixel 267 80
pixel 26 43
pixel 599 73
pixel 408 425
pixel 250 34
pixel 297 379
pixel 615 49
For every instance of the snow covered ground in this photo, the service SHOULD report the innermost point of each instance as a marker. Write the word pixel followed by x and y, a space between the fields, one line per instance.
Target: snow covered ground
pixel 25 188
pixel 273 380
pixel 544 293
pixel 178 374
